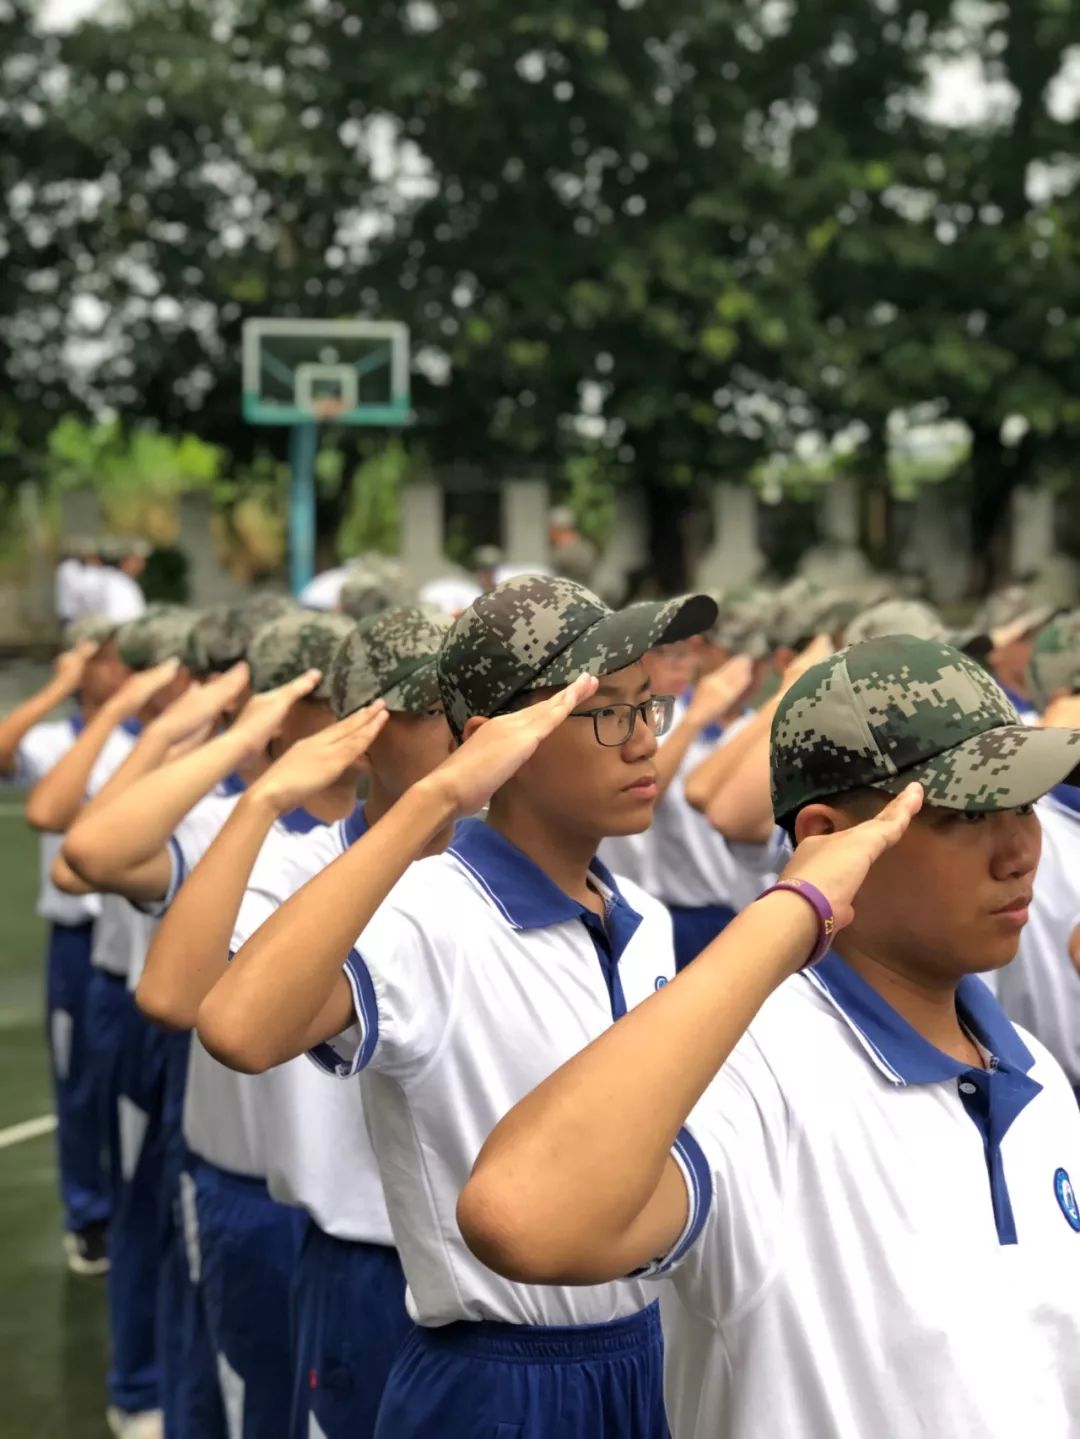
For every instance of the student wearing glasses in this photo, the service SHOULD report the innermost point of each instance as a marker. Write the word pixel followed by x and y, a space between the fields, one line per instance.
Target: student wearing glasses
pixel 457 986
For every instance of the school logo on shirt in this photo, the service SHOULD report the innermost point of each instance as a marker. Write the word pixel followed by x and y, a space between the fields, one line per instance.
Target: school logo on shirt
pixel 661 980
pixel 1066 1198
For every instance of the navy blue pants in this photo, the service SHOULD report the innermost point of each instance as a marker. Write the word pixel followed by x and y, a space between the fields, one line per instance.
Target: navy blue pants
pixel 695 929
pixel 505 1381
pixel 248 1245
pixel 81 1127
pixel 131 1056
pixel 349 1322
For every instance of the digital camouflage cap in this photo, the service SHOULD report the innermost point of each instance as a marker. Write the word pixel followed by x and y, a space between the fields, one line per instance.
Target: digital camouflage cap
pixel 898 617
pixel 97 628
pixel 298 641
pixel 391 656
pixel 222 634
pixel 536 631
pixel 1055 663
pixel 1012 611
pixel 890 711
pixel 160 634
pixel 742 621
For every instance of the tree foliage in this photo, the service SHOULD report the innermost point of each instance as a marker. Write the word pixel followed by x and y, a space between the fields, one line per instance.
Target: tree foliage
pixel 651 243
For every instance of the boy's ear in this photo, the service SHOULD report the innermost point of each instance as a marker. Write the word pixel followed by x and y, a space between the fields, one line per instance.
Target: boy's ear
pixel 472 724
pixel 813 820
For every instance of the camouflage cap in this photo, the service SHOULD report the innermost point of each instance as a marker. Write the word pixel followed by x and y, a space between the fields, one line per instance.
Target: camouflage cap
pixel 741 623
pixel 541 630
pixel 160 634
pixel 300 640
pixel 898 617
pixel 1055 664
pixel 390 656
pixel 1013 610
pixel 222 634
pixel 792 612
pixel 98 628
pixel 889 711
pixel 365 594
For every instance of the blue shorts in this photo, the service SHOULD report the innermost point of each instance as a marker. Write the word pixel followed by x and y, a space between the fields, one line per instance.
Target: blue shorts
pixel 508 1381
pixel 349 1322
pixel 695 929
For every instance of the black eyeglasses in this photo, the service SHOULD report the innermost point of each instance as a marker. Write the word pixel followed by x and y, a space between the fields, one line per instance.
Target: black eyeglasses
pixel 614 725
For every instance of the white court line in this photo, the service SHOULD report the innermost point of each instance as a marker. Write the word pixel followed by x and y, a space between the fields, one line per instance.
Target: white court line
pixel 28 1129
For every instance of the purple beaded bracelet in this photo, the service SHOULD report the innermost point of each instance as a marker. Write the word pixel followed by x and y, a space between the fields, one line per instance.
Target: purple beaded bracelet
pixel 822 908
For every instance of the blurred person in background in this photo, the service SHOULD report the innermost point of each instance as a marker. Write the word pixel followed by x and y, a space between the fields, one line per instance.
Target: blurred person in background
pixel 118 593
pixel 1013 619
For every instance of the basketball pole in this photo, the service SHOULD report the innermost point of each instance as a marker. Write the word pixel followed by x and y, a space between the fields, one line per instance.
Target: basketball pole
pixel 303 447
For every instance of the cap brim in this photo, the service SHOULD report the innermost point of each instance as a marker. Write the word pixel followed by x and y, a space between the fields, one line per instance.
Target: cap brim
pixel 999 769
pixel 623 636
pixel 416 691
pixel 1023 625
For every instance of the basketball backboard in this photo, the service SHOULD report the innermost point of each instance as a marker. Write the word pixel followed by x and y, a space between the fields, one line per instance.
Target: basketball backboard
pixel 349 372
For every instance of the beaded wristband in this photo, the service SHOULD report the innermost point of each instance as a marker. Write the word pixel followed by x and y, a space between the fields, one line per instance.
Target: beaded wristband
pixel 821 907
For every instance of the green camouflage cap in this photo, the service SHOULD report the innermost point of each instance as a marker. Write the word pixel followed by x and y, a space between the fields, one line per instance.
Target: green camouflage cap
pixel 741 623
pixel 535 631
pixel 366 593
pixel 98 628
pixel 889 711
pixel 1055 664
pixel 1013 608
pixel 160 634
pixel 300 640
pixel 390 656
pixel 222 634
pixel 898 617
pixel 794 607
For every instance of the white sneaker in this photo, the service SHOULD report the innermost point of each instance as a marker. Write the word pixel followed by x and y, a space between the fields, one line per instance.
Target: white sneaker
pixel 149 1424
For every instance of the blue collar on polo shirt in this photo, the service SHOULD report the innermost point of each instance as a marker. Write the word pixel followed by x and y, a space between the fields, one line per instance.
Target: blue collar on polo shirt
pixel 232 784
pixel 76 722
pixel 131 727
pixel 527 899
pixel 992 1097
pixel 1068 796
pixel 1021 702
pixel 299 821
pixel 355 825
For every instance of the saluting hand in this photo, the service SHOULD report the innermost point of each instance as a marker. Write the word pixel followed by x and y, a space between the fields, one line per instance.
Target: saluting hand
pixel 312 764
pixel 838 863
pixel 500 746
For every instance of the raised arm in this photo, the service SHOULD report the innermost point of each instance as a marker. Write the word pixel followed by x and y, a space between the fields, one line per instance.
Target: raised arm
pixel 190 951
pixel 122 846
pixel 286 991
pixel 577 1183
pixel 177 730
pixel 63 683
pixel 57 798
pixel 713 697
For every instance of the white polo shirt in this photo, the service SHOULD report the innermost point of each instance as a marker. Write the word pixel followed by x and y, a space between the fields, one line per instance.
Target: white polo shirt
pixel 475 980
pixel 39 750
pixel 881 1241
pixel 1041 988
pixel 313 1137
pixel 693 866
pixel 68 589
pixel 118 597
pixel 220 1119
pixel 121 933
